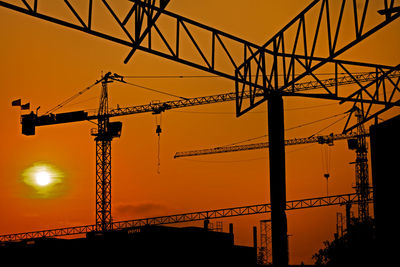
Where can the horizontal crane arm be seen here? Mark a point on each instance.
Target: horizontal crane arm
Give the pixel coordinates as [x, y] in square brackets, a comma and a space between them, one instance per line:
[31, 120]
[327, 139]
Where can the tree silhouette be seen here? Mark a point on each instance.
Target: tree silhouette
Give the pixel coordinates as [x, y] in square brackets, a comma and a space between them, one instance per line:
[355, 248]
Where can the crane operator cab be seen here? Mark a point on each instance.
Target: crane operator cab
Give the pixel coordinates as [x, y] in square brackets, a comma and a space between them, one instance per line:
[112, 130]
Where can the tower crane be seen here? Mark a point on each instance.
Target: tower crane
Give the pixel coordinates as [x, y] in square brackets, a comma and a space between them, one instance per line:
[293, 54]
[105, 132]
[356, 141]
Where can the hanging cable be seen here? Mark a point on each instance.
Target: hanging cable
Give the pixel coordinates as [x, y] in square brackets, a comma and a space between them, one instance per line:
[83, 101]
[312, 122]
[71, 98]
[158, 132]
[329, 125]
[326, 158]
[250, 139]
[152, 89]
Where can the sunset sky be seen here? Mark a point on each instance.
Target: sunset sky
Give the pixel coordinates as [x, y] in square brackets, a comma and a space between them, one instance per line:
[44, 64]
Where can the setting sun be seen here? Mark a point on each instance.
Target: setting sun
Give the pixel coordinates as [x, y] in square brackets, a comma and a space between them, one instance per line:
[42, 178]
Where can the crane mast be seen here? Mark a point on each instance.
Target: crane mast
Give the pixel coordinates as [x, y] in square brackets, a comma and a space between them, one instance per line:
[359, 144]
[103, 163]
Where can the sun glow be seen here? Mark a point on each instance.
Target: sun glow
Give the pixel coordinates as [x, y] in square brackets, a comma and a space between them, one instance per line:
[42, 178]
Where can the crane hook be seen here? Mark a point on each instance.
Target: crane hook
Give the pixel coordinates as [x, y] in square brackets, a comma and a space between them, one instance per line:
[158, 132]
[158, 129]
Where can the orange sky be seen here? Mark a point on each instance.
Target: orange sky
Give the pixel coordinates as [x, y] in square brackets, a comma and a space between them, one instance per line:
[44, 64]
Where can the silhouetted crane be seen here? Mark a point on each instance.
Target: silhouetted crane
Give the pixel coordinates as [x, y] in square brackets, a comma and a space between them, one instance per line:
[356, 141]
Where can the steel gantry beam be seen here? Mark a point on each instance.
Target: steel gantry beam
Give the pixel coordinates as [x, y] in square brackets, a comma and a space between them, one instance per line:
[320, 31]
[136, 23]
[189, 217]
[289, 57]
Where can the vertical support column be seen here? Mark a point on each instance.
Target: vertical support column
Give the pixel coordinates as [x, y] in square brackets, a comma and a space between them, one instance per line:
[103, 185]
[277, 180]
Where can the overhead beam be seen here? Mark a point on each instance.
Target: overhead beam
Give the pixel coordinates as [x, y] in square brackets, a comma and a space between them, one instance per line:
[136, 14]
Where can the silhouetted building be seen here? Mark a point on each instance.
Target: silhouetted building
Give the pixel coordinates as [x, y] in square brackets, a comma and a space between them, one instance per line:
[144, 246]
[385, 159]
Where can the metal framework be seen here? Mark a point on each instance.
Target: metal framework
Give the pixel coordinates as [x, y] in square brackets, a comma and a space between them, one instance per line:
[189, 217]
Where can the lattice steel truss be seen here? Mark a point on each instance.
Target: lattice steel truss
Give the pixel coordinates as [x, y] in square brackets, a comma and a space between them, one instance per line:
[189, 217]
[311, 42]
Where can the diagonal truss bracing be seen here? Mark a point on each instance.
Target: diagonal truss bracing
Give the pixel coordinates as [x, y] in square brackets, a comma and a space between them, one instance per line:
[323, 31]
[308, 44]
